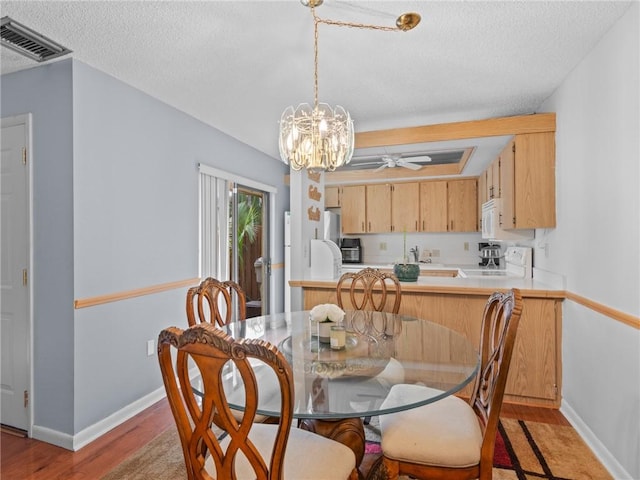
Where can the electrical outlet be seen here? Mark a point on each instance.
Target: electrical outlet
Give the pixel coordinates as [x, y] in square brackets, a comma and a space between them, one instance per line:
[466, 246]
[150, 347]
[383, 245]
[435, 253]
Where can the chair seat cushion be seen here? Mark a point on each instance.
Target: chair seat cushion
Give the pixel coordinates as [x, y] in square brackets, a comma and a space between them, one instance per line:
[445, 433]
[308, 456]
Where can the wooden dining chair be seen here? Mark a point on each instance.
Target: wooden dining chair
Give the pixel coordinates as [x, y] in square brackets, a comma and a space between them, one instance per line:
[216, 301]
[369, 289]
[451, 438]
[249, 450]
[213, 301]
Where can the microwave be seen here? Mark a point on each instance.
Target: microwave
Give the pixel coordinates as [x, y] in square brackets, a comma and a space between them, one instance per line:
[491, 224]
[351, 249]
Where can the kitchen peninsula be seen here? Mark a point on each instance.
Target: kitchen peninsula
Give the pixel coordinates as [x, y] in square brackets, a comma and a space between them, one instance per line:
[458, 303]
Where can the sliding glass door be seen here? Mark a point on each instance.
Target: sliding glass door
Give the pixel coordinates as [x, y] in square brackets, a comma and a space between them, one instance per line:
[235, 215]
[249, 245]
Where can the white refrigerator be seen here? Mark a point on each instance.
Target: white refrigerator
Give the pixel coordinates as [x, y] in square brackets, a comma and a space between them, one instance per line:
[332, 227]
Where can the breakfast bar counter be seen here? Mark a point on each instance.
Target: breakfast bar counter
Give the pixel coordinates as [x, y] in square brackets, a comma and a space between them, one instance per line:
[535, 376]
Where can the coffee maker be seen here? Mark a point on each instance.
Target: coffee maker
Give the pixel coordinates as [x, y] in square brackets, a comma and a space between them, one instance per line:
[486, 261]
[351, 249]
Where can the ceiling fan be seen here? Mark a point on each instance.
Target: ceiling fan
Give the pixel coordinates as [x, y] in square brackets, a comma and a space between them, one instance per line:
[392, 161]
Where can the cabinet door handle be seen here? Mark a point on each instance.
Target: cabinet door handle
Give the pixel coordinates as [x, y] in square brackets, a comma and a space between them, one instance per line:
[416, 225]
[363, 226]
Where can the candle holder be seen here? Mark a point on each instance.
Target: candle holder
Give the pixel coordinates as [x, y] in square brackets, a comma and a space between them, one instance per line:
[338, 337]
[324, 331]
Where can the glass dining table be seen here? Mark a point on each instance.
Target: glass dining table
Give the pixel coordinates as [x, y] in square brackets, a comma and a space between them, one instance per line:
[335, 389]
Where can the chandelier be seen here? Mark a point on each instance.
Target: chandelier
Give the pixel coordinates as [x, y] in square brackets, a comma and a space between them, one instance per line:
[320, 137]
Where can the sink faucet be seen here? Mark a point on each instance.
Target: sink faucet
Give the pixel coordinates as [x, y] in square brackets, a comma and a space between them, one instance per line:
[414, 254]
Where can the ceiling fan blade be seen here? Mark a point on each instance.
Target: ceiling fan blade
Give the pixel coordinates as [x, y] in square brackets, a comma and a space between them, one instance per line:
[381, 167]
[412, 166]
[362, 164]
[418, 158]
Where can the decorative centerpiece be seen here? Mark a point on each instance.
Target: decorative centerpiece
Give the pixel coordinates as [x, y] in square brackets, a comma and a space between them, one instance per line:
[406, 271]
[325, 316]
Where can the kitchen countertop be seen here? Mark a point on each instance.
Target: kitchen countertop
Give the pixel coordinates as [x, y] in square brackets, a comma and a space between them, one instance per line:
[454, 285]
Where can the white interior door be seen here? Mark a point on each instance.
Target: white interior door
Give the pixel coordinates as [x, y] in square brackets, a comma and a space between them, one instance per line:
[14, 303]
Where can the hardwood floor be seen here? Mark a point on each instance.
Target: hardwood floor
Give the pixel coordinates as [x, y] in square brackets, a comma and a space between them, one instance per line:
[25, 458]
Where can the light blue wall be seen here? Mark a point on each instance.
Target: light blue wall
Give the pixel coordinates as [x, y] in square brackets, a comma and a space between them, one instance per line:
[115, 208]
[46, 92]
[598, 205]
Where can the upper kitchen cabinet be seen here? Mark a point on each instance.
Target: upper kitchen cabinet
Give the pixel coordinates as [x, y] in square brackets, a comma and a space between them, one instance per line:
[366, 208]
[462, 210]
[378, 207]
[353, 202]
[332, 197]
[527, 182]
[405, 207]
[492, 180]
[433, 206]
[482, 192]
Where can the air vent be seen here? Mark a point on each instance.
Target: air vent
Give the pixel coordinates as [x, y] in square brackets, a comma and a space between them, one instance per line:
[29, 43]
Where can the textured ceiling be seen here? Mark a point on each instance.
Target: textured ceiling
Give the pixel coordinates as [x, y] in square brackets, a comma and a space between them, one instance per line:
[236, 65]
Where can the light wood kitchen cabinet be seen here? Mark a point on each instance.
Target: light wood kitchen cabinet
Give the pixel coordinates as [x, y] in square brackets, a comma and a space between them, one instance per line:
[527, 182]
[405, 207]
[331, 197]
[433, 206]
[535, 376]
[462, 210]
[492, 180]
[378, 208]
[353, 203]
[482, 195]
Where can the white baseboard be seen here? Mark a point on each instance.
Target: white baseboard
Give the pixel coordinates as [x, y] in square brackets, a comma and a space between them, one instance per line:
[53, 437]
[616, 470]
[89, 434]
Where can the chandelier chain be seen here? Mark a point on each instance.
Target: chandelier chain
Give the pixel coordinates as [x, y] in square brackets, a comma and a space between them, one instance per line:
[316, 21]
[322, 137]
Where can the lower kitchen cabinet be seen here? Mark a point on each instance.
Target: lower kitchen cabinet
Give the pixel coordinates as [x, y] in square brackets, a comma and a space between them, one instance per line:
[535, 372]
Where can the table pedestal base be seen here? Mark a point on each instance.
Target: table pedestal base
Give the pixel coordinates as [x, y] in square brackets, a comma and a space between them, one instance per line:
[348, 431]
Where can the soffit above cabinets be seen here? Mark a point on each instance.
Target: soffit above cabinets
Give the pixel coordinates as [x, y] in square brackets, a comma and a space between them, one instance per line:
[481, 140]
[465, 158]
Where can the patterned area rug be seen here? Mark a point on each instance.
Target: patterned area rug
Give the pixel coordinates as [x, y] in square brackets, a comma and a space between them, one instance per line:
[524, 451]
